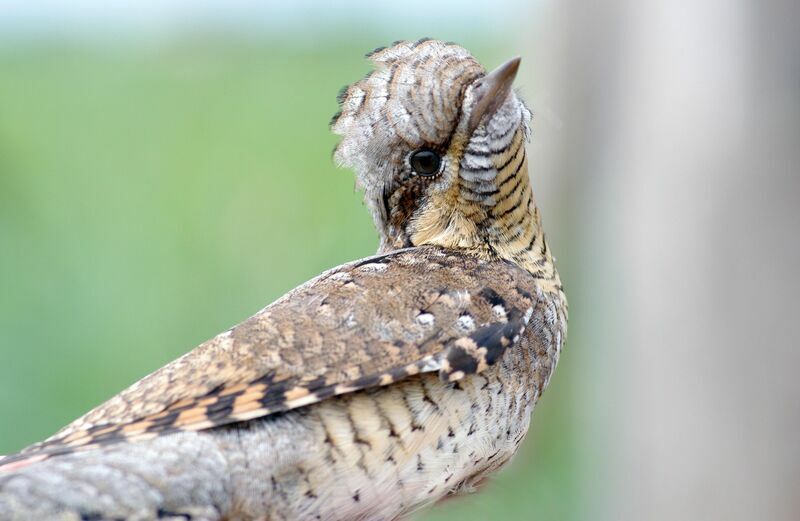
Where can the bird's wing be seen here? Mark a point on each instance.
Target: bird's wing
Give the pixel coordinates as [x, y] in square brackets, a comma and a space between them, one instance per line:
[364, 324]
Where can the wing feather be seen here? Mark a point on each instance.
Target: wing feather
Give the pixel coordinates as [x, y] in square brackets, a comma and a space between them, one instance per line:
[365, 324]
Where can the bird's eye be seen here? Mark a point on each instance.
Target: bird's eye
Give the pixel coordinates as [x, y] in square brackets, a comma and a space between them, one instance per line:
[425, 162]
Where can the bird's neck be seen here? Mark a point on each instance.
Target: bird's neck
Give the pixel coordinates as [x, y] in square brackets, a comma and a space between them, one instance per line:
[490, 212]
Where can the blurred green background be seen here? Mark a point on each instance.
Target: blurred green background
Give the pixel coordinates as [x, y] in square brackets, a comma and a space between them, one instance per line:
[152, 196]
[165, 172]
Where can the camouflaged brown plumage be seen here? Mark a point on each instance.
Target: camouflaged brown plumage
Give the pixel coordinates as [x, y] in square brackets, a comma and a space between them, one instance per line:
[376, 388]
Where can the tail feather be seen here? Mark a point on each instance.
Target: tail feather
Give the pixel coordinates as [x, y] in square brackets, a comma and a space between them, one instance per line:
[14, 462]
[174, 477]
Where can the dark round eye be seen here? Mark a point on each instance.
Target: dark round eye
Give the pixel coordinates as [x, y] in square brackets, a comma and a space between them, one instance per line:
[425, 162]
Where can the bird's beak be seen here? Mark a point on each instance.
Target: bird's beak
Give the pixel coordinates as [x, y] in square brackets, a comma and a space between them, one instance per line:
[491, 91]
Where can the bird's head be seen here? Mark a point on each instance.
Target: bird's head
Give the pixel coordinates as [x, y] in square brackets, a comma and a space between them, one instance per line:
[438, 147]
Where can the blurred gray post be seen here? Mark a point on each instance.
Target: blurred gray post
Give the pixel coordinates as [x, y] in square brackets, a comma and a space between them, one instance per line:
[668, 143]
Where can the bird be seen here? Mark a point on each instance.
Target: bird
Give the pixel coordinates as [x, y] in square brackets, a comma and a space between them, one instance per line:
[382, 385]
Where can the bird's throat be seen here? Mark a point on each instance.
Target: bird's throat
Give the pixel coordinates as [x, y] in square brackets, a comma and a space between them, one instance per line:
[496, 218]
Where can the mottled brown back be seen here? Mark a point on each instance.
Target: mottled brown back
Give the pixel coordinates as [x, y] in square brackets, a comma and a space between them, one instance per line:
[368, 323]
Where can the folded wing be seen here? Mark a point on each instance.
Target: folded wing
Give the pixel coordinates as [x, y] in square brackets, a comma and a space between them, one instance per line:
[365, 324]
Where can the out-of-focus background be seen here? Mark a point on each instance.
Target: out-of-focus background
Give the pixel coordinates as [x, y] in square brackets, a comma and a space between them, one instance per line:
[165, 172]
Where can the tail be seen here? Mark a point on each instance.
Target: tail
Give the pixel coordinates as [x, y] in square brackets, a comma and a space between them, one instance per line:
[17, 461]
[173, 477]
[36, 453]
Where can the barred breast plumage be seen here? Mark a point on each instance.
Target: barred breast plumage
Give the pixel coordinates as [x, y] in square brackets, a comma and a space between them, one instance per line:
[376, 388]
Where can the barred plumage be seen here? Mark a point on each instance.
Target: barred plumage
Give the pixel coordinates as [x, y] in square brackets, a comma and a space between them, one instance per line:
[381, 385]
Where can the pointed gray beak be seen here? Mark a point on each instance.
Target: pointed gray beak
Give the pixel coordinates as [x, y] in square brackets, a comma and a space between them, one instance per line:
[491, 91]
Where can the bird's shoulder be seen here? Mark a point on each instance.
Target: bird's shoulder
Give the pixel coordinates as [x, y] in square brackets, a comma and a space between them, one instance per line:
[364, 324]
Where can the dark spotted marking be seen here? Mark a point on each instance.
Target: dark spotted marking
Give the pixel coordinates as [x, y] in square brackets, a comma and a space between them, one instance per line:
[524, 293]
[367, 381]
[325, 392]
[460, 360]
[478, 153]
[496, 337]
[377, 259]
[340, 97]
[374, 51]
[512, 157]
[160, 423]
[331, 123]
[398, 373]
[532, 241]
[415, 426]
[223, 406]
[427, 398]
[91, 517]
[491, 296]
